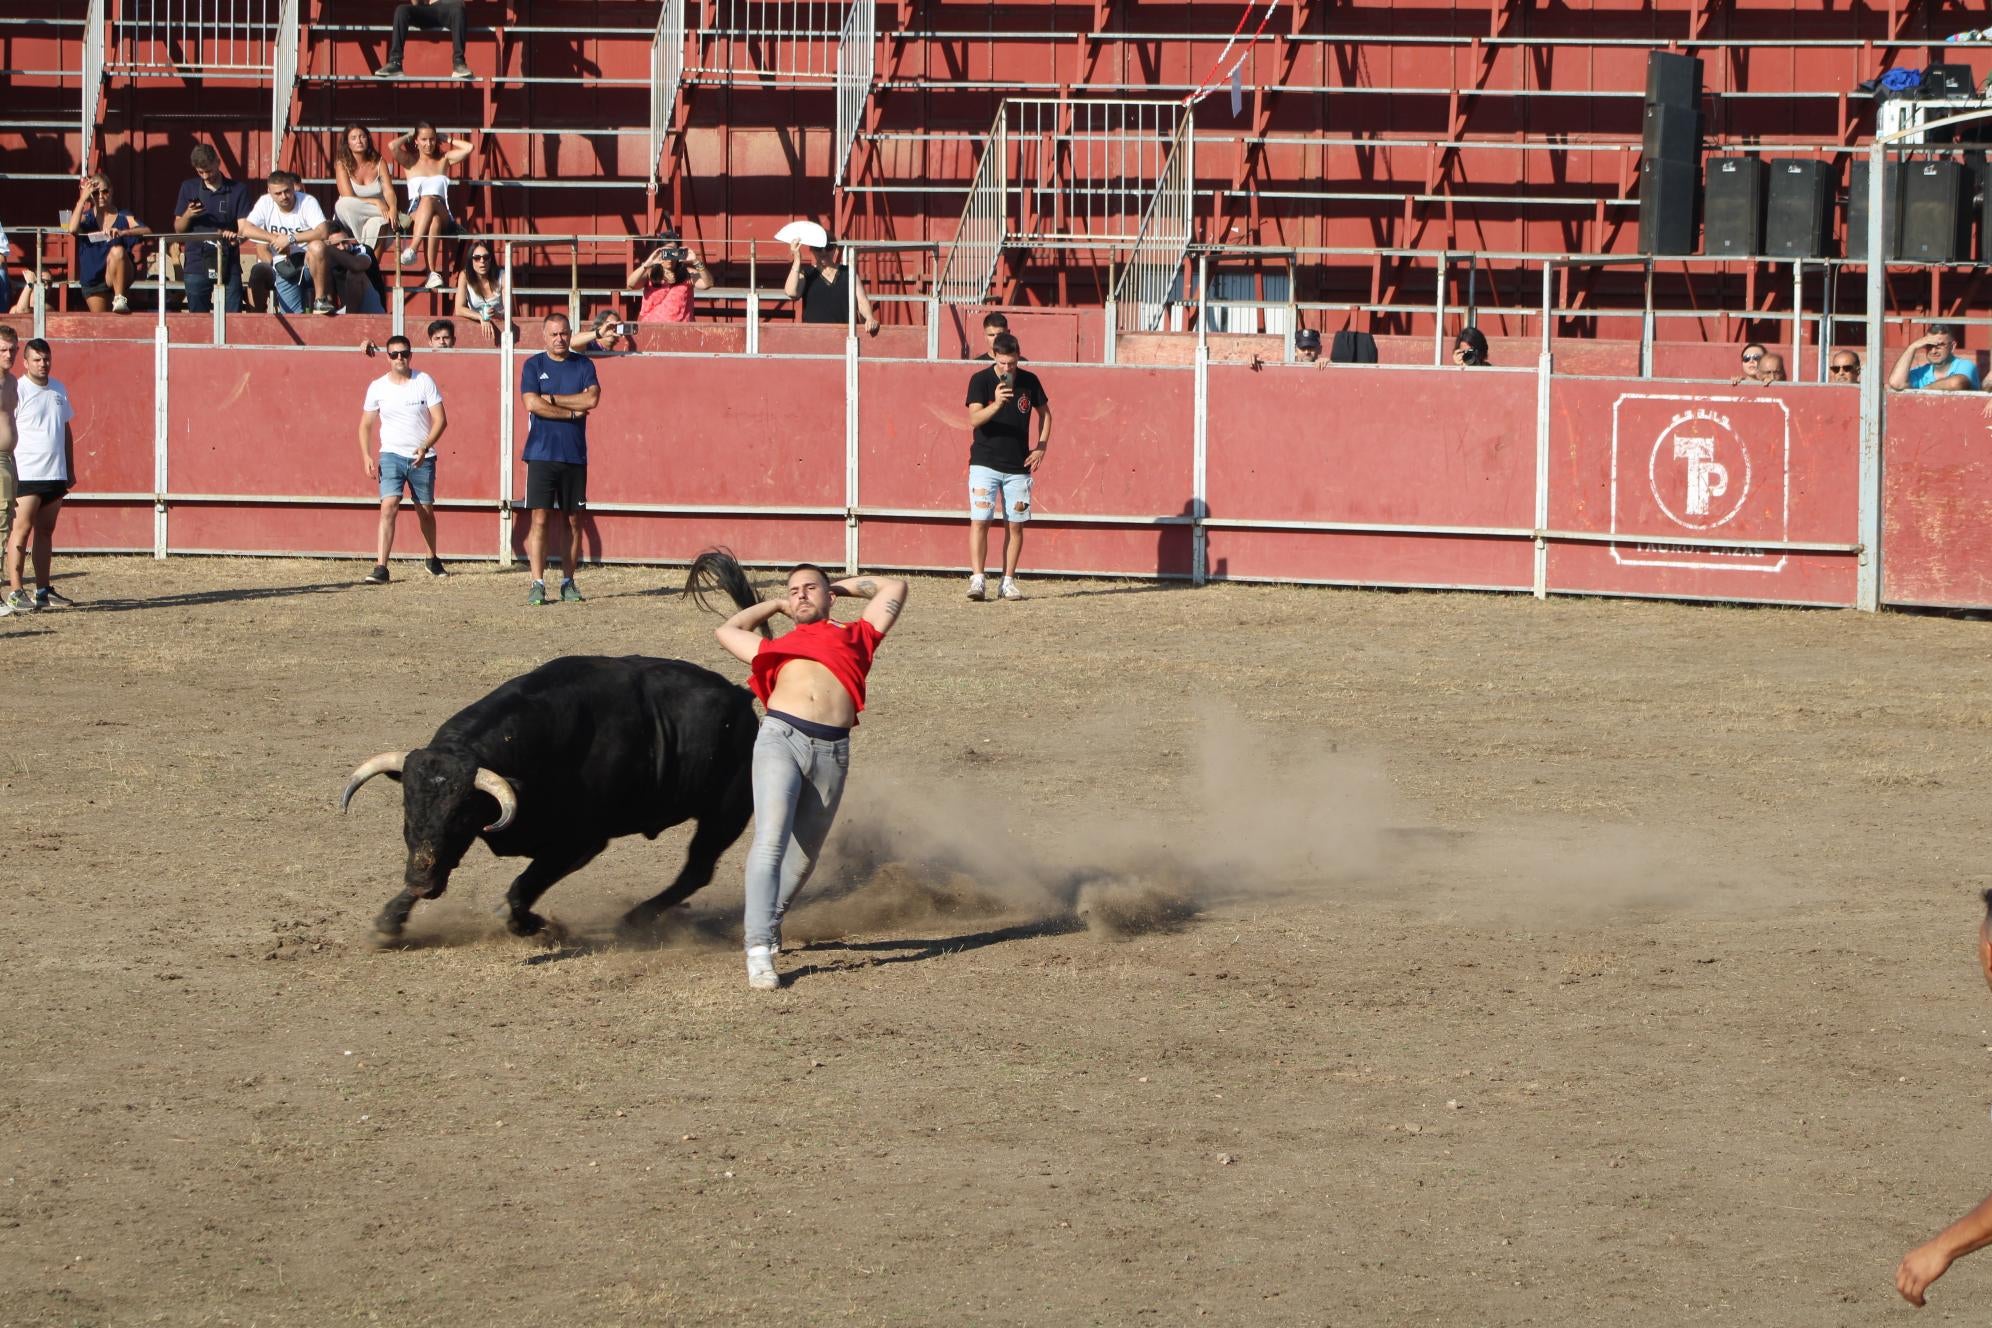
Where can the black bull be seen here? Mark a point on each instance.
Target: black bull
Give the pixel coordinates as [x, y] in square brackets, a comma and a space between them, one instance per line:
[554, 764]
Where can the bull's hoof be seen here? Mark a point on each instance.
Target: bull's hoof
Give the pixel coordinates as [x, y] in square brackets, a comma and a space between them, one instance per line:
[525, 924]
[640, 929]
[383, 939]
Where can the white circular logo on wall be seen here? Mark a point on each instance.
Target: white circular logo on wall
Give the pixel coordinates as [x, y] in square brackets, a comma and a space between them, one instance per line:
[1700, 469]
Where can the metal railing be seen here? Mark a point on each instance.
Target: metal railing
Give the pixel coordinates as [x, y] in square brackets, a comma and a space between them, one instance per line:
[978, 243]
[225, 37]
[667, 70]
[93, 79]
[857, 55]
[283, 78]
[1141, 295]
[771, 43]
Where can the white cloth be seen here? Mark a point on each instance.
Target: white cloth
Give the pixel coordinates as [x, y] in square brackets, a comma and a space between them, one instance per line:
[403, 410]
[303, 217]
[39, 419]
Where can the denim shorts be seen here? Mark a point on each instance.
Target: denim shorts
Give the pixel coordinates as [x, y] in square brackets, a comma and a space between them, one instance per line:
[396, 470]
[997, 495]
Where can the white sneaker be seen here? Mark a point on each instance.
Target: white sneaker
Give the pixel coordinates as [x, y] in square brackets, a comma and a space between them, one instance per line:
[435, 281]
[761, 975]
[978, 588]
[408, 255]
[120, 305]
[1009, 590]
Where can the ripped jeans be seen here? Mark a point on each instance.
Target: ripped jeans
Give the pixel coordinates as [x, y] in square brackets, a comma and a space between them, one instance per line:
[798, 782]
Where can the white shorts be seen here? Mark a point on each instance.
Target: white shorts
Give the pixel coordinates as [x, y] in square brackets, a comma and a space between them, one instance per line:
[998, 495]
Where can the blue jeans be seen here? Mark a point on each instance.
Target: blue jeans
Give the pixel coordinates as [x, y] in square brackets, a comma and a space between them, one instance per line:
[798, 782]
[396, 471]
[200, 282]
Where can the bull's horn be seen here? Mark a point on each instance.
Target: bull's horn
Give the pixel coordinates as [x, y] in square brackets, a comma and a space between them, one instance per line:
[508, 801]
[387, 763]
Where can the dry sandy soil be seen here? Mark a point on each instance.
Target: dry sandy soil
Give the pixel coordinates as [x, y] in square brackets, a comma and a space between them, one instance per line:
[1578, 962]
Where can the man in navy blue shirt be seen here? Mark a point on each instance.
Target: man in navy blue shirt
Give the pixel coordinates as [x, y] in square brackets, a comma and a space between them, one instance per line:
[211, 202]
[560, 389]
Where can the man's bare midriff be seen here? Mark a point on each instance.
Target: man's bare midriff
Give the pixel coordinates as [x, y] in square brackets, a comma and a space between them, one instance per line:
[809, 691]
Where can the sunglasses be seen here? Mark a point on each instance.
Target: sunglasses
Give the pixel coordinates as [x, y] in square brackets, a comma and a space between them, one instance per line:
[1751, 359]
[1841, 369]
[480, 258]
[400, 355]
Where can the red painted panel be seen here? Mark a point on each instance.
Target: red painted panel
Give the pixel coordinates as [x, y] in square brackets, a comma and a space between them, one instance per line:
[104, 527]
[1652, 459]
[650, 537]
[1936, 509]
[109, 386]
[1121, 440]
[276, 422]
[350, 531]
[690, 338]
[726, 432]
[1434, 447]
[1048, 548]
[1043, 334]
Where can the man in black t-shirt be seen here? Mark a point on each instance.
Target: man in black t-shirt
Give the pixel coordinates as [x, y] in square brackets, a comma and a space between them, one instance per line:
[1003, 460]
[821, 288]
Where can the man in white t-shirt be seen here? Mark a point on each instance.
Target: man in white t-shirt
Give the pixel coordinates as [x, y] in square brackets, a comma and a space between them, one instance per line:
[409, 410]
[45, 457]
[288, 229]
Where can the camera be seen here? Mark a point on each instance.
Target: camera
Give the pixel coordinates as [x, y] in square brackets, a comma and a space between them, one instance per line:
[1468, 355]
[671, 248]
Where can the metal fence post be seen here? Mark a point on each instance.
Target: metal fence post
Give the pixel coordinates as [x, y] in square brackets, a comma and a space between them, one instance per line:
[506, 424]
[1439, 314]
[851, 442]
[1867, 594]
[1544, 365]
[160, 437]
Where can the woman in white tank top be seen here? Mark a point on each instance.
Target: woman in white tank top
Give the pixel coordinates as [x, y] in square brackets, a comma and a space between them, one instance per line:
[365, 202]
[425, 162]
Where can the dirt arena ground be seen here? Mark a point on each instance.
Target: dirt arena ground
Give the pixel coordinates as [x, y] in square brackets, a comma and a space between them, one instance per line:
[1565, 963]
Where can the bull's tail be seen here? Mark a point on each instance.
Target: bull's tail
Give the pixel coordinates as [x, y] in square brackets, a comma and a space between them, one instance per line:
[717, 571]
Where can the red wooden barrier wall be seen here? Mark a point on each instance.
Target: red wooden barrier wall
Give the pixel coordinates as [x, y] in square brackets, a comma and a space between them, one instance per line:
[1936, 505]
[1653, 460]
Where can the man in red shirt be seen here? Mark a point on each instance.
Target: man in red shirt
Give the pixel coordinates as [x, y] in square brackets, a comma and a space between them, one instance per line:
[812, 681]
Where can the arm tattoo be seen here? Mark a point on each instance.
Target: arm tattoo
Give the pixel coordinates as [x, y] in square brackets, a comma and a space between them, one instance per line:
[891, 607]
[865, 586]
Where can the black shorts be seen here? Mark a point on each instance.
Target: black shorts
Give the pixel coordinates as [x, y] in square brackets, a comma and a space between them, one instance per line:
[561, 485]
[97, 287]
[46, 490]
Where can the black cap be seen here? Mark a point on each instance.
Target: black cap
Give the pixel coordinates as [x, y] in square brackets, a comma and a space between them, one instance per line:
[1307, 339]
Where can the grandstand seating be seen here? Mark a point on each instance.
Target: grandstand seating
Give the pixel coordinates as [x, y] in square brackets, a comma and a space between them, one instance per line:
[1495, 127]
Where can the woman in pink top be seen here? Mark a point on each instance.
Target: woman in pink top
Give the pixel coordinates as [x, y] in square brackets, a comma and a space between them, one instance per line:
[669, 279]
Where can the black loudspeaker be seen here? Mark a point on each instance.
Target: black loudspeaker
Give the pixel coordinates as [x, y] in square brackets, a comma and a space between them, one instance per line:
[1667, 192]
[1945, 82]
[1673, 80]
[1733, 207]
[1857, 211]
[1796, 217]
[1936, 221]
[1983, 169]
[1672, 132]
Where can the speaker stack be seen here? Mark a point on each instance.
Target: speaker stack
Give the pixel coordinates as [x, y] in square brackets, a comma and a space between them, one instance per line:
[1670, 165]
[1936, 211]
[1733, 207]
[1800, 208]
[1857, 211]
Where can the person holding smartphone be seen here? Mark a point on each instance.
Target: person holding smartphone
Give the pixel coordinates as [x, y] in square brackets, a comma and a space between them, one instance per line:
[1003, 460]
[211, 202]
[670, 279]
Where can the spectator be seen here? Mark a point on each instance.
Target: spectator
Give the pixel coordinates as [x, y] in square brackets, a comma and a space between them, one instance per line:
[1753, 359]
[408, 408]
[670, 280]
[431, 16]
[290, 230]
[1470, 348]
[559, 389]
[1001, 462]
[6, 289]
[425, 165]
[10, 396]
[365, 206]
[1844, 367]
[353, 273]
[820, 288]
[107, 245]
[1307, 346]
[993, 325]
[606, 335]
[480, 292]
[1931, 363]
[210, 201]
[46, 458]
[441, 334]
[1770, 369]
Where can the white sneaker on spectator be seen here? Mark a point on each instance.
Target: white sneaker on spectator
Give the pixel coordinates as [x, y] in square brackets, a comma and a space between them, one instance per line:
[120, 305]
[1009, 590]
[761, 975]
[435, 281]
[408, 255]
[978, 588]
